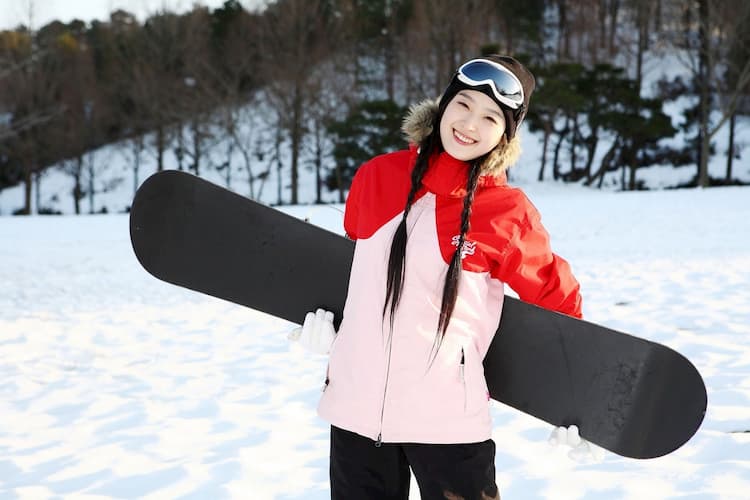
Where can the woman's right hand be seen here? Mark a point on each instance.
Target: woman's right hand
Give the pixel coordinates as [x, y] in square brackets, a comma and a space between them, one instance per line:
[317, 332]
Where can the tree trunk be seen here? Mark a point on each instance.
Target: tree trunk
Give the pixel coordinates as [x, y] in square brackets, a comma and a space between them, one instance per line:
[631, 181]
[197, 152]
[28, 170]
[563, 43]
[180, 152]
[77, 188]
[296, 139]
[730, 148]
[573, 146]
[249, 167]
[591, 146]
[91, 185]
[547, 133]
[705, 92]
[556, 157]
[38, 190]
[230, 152]
[138, 146]
[614, 12]
[657, 16]
[601, 42]
[340, 183]
[642, 16]
[389, 56]
[136, 169]
[279, 167]
[318, 167]
[160, 145]
[604, 167]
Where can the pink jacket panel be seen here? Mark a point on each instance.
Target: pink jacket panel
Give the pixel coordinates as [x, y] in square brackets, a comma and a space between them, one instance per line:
[447, 403]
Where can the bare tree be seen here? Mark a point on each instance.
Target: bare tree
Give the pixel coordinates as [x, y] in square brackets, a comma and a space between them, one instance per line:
[450, 35]
[134, 66]
[10, 66]
[31, 88]
[87, 115]
[734, 79]
[160, 83]
[708, 31]
[296, 36]
[250, 138]
[330, 95]
[199, 98]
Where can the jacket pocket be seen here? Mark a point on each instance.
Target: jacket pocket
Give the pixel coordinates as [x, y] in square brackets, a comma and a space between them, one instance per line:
[329, 365]
[472, 376]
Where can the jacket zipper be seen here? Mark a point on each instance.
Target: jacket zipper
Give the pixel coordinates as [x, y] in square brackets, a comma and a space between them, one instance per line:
[461, 368]
[379, 442]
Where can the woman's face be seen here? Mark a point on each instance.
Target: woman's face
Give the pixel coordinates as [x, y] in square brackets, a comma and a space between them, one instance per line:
[472, 125]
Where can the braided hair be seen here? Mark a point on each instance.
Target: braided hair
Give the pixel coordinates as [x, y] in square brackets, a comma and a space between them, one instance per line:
[430, 145]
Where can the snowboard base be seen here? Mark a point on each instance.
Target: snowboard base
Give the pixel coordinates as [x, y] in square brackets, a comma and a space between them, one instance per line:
[631, 396]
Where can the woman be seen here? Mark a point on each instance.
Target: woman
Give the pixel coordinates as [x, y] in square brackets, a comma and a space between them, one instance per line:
[438, 233]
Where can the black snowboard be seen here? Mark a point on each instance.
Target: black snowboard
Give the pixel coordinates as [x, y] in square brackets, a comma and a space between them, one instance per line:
[631, 396]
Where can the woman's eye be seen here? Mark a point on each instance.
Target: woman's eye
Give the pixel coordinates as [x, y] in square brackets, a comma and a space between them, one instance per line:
[461, 103]
[491, 119]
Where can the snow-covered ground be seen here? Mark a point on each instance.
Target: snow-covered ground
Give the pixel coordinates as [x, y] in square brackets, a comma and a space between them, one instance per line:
[116, 385]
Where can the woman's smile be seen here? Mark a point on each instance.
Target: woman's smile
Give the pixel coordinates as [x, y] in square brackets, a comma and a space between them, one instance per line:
[463, 139]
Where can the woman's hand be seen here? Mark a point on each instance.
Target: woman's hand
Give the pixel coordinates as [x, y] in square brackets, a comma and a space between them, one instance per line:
[581, 450]
[317, 332]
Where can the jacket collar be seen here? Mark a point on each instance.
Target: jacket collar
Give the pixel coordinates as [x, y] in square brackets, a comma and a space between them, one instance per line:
[446, 176]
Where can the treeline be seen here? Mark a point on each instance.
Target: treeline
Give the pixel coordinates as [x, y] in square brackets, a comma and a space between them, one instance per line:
[328, 81]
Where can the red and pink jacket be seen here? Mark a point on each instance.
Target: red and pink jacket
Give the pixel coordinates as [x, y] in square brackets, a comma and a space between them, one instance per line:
[379, 383]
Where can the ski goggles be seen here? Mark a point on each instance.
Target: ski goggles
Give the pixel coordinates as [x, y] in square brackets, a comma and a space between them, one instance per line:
[505, 85]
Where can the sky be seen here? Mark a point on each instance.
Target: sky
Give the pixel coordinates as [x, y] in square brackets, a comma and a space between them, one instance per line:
[15, 12]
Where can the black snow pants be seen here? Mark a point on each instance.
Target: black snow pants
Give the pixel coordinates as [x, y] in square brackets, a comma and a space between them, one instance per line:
[359, 470]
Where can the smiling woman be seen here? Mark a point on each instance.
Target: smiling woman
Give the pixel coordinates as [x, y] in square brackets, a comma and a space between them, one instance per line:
[439, 233]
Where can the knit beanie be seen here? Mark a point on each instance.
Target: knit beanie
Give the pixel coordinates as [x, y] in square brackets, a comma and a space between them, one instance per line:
[513, 117]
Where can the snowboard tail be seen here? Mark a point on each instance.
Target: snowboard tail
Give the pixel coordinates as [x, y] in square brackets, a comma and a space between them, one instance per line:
[631, 396]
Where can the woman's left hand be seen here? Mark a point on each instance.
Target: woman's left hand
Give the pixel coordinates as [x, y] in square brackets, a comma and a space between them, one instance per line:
[581, 450]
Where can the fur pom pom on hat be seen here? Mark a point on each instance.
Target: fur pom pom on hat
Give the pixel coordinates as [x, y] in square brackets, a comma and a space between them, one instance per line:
[418, 124]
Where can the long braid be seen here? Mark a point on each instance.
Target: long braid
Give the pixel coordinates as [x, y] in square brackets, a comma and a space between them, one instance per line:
[452, 277]
[397, 257]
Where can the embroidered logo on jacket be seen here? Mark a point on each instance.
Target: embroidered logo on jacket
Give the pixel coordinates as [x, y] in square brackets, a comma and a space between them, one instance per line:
[469, 246]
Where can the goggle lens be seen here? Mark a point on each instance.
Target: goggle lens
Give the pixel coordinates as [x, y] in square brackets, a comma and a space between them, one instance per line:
[506, 87]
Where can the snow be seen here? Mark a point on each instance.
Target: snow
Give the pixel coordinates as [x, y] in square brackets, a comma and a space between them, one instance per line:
[116, 385]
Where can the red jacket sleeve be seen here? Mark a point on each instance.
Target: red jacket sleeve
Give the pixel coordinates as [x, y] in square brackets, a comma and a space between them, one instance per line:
[351, 210]
[537, 275]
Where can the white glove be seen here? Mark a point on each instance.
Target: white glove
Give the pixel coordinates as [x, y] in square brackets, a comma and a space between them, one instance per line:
[317, 332]
[581, 450]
